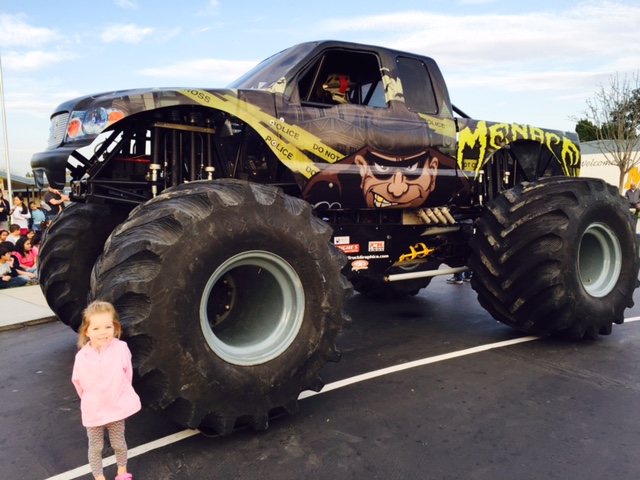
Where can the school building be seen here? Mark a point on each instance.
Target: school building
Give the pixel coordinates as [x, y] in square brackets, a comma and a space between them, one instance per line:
[26, 187]
[595, 164]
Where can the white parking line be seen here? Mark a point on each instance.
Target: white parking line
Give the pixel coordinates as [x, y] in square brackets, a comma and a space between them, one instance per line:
[176, 437]
[134, 452]
[414, 364]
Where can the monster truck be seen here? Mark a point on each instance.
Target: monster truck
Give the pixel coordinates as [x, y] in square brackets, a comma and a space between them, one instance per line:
[227, 226]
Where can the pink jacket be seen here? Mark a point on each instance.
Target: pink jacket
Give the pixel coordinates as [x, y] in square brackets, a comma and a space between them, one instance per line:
[103, 381]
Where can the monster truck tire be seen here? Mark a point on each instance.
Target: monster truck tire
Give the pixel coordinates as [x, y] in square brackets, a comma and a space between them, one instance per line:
[69, 249]
[558, 255]
[230, 296]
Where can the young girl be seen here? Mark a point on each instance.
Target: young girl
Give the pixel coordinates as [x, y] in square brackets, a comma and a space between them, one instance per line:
[26, 255]
[20, 214]
[102, 375]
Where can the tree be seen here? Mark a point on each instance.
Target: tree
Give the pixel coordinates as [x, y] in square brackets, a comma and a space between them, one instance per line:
[614, 113]
[586, 130]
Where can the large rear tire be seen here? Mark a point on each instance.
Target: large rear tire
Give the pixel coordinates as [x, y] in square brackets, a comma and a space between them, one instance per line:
[230, 297]
[557, 255]
[69, 249]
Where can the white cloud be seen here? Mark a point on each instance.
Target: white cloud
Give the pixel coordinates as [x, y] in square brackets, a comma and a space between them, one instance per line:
[207, 69]
[125, 33]
[569, 38]
[168, 35]
[16, 32]
[32, 60]
[126, 4]
[32, 106]
[527, 81]
[474, 2]
[211, 8]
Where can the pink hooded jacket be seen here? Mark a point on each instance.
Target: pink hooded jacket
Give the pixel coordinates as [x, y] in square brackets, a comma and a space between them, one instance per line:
[103, 381]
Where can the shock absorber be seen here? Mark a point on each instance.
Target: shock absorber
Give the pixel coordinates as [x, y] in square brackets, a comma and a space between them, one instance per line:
[154, 168]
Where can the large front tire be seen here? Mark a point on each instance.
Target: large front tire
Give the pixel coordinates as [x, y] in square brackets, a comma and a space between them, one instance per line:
[70, 247]
[556, 255]
[230, 296]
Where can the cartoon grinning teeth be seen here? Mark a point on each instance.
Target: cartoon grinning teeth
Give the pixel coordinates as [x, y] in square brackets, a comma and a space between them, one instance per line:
[382, 202]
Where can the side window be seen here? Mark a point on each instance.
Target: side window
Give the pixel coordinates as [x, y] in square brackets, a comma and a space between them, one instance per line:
[416, 85]
[340, 77]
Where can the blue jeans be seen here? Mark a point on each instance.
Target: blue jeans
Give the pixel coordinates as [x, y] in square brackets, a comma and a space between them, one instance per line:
[463, 275]
[14, 282]
[33, 270]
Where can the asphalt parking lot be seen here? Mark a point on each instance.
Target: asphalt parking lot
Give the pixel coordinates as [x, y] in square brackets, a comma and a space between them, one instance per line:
[479, 401]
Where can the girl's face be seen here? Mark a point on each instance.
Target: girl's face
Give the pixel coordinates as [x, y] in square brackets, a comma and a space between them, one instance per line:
[3, 236]
[30, 234]
[100, 330]
[16, 201]
[27, 246]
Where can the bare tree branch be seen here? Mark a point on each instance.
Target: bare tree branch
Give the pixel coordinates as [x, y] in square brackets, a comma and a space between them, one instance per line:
[615, 111]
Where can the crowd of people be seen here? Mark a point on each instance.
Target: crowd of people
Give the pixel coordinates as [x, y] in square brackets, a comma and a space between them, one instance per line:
[21, 230]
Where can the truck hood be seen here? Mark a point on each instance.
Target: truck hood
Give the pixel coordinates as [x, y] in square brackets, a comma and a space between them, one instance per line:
[80, 120]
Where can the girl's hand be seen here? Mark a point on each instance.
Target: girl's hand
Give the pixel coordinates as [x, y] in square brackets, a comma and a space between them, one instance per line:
[6, 278]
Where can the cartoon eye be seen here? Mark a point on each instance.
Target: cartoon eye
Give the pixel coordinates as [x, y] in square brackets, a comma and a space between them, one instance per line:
[383, 169]
[412, 172]
[411, 169]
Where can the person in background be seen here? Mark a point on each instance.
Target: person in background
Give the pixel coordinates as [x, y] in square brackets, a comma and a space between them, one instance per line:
[44, 225]
[14, 234]
[30, 277]
[26, 256]
[20, 214]
[633, 196]
[55, 199]
[37, 216]
[9, 276]
[35, 242]
[460, 277]
[5, 208]
[3, 235]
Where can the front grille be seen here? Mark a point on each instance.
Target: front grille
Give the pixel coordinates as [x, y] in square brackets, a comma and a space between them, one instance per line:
[57, 129]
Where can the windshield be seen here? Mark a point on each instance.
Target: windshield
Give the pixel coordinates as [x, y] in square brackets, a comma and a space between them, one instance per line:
[271, 71]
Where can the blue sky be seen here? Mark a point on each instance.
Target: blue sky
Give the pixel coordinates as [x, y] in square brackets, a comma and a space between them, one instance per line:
[525, 62]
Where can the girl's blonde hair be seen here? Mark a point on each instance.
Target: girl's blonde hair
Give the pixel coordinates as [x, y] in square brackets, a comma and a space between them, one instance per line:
[92, 309]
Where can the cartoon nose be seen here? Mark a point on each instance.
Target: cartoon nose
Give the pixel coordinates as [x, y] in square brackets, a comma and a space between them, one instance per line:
[397, 187]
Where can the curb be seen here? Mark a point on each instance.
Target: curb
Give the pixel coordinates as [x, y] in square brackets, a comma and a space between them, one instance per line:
[28, 323]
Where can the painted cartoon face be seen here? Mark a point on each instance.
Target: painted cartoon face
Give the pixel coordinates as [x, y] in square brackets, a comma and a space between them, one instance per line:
[397, 182]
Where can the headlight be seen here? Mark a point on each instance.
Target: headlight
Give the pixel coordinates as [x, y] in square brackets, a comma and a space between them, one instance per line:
[92, 122]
